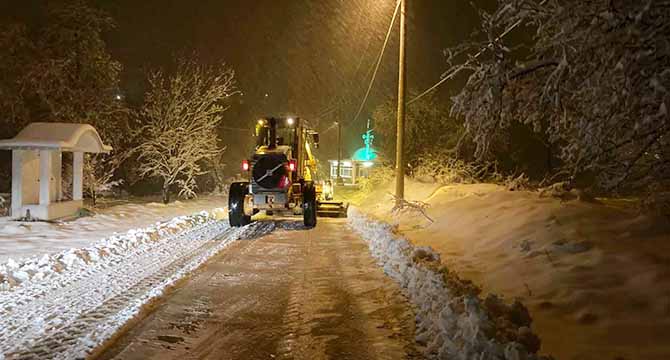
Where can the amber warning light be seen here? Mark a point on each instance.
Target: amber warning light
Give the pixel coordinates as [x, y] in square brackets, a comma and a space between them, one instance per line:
[245, 165]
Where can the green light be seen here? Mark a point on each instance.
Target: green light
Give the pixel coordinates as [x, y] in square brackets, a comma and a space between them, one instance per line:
[365, 154]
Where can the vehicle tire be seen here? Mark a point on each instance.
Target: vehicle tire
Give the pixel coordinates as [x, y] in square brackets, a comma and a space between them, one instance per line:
[236, 215]
[309, 205]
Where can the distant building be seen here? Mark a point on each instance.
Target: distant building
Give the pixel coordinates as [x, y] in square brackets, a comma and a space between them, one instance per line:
[360, 163]
[350, 170]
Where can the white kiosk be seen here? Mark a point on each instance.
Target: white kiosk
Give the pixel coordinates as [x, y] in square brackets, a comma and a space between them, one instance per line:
[37, 156]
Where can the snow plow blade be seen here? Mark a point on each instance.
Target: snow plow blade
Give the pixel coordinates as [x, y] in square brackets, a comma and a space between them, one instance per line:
[332, 209]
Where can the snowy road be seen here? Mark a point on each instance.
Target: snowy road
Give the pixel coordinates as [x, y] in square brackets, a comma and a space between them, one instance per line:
[299, 294]
[73, 312]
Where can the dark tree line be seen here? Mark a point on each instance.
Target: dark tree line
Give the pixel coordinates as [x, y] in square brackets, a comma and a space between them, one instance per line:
[59, 69]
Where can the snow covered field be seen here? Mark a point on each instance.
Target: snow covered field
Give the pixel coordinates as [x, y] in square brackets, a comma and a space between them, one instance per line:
[594, 276]
[19, 240]
[65, 305]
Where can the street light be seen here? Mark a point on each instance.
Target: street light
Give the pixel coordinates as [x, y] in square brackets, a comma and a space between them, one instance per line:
[400, 127]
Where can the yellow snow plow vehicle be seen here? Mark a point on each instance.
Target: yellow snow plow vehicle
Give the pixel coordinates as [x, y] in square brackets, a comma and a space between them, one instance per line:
[282, 173]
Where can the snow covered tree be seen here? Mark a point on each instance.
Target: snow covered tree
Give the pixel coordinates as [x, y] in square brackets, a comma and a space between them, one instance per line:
[428, 128]
[594, 83]
[99, 171]
[180, 117]
[60, 70]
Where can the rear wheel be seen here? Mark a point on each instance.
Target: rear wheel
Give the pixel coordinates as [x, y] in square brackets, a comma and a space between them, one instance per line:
[236, 215]
[309, 205]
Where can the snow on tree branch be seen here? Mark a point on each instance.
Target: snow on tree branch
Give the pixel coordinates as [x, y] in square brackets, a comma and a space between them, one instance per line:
[594, 83]
[180, 118]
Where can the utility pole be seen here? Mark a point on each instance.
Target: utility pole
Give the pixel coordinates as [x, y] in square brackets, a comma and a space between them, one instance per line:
[400, 131]
[339, 180]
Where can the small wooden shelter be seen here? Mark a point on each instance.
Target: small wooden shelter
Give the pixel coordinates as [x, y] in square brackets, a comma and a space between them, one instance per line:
[37, 162]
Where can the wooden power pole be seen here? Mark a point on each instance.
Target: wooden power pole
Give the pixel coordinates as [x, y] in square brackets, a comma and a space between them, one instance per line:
[339, 180]
[400, 131]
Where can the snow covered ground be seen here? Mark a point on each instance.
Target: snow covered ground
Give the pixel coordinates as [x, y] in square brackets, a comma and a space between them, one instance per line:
[25, 239]
[594, 276]
[66, 287]
[65, 305]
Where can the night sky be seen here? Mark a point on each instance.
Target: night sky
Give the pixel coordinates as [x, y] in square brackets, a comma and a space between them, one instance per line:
[306, 55]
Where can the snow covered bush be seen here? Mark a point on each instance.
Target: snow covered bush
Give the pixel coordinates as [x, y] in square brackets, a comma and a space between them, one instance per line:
[445, 169]
[379, 175]
[4, 206]
[594, 85]
[99, 172]
[517, 183]
[180, 118]
[428, 128]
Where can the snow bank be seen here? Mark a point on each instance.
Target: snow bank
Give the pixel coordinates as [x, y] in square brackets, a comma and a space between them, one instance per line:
[594, 276]
[64, 306]
[47, 267]
[452, 321]
[20, 240]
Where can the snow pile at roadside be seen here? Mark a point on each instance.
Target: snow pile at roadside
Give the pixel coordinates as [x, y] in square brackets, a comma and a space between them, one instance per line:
[594, 275]
[20, 240]
[47, 267]
[66, 305]
[452, 321]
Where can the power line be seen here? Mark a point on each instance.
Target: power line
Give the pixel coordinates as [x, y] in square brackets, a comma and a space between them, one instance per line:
[337, 104]
[379, 61]
[449, 75]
